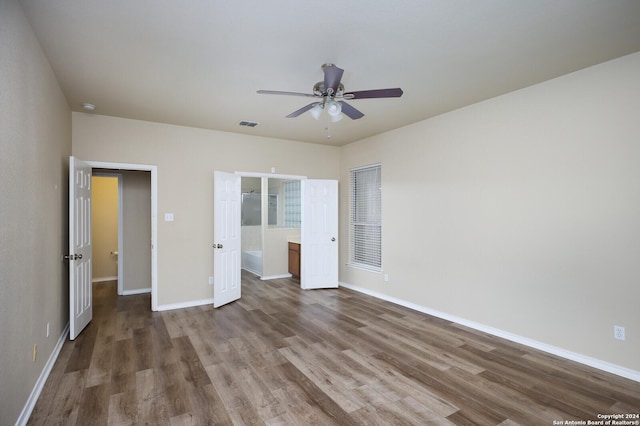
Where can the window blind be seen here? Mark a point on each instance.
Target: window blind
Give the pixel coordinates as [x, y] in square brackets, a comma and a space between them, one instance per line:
[366, 217]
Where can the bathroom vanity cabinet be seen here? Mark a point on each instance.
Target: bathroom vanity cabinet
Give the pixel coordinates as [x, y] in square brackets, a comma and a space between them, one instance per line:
[294, 259]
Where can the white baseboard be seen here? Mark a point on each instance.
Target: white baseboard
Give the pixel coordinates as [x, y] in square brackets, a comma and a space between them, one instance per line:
[44, 375]
[275, 277]
[183, 305]
[252, 271]
[573, 356]
[104, 279]
[136, 291]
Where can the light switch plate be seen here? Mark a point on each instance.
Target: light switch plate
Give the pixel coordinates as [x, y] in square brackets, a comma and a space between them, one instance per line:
[618, 332]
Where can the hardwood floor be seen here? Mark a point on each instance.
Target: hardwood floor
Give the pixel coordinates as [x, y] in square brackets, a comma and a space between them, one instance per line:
[285, 356]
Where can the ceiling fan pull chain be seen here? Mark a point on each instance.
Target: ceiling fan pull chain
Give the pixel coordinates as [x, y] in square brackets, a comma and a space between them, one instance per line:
[327, 128]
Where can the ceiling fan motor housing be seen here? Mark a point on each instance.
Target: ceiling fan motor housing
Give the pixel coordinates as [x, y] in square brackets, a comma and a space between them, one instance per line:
[318, 90]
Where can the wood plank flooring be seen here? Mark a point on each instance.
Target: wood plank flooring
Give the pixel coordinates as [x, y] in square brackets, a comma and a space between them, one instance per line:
[281, 355]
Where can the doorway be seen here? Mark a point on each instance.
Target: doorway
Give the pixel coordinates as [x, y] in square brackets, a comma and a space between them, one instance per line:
[121, 223]
[80, 250]
[140, 183]
[270, 219]
[318, 240]
[105, 223]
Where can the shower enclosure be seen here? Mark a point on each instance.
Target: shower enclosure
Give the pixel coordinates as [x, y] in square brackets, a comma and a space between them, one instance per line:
[251, 225]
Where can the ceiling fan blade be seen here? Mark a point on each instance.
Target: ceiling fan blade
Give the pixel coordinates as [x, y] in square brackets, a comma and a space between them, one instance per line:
[378, 93]
[332, 77]
[302, 110]
[350, 111]
[277, 92]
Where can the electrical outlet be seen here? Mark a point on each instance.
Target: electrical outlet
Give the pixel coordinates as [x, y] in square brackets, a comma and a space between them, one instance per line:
[35, 352]
[618, 332]
[48, 330]
[210, 280]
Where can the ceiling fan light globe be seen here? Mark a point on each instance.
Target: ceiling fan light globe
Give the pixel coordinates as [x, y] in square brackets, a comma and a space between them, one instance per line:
[334, 108]
[316, 111]
[336, 118]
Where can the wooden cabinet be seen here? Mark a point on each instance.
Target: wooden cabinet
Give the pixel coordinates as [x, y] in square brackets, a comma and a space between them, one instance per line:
[294, 260]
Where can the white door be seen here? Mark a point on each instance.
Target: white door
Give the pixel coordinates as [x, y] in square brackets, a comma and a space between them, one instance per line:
[319, 234]
[80, 307]
[226, 233]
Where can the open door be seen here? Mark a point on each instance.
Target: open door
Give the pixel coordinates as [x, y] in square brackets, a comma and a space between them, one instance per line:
[319, 234]
[226, 233]
[80, 305]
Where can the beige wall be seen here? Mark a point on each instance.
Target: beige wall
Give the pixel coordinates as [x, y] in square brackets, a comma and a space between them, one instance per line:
[186, 159]
[519, 213]
[104, 225]
[35, 142]
[136, 223]
[275, 257]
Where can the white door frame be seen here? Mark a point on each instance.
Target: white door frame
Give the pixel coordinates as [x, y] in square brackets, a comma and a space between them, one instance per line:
[154, 219]
[270, 175]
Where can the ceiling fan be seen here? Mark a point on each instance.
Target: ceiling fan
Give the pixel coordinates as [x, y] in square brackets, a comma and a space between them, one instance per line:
[330, 95]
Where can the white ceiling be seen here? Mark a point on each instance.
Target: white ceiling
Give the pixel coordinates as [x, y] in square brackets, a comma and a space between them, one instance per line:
[199, 62]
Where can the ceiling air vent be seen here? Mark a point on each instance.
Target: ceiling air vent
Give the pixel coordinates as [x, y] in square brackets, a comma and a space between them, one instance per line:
[248, 123]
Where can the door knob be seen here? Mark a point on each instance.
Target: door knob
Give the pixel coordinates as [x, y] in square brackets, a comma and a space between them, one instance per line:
[72, 256]
[217, 246]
